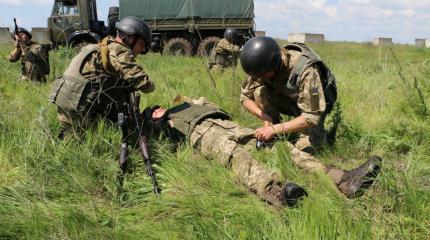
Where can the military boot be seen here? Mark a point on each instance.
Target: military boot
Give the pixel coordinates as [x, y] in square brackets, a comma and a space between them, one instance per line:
[292, 193]
[288, 195]
[354, 182]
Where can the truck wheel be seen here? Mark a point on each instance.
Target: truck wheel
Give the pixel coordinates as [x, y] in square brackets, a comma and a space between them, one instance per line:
[206, 46]
[178, 46]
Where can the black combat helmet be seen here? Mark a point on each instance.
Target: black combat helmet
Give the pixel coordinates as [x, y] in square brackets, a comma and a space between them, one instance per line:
[231, 34]
[136, 26]
[260, 55]
[113, 11]
[23, 30]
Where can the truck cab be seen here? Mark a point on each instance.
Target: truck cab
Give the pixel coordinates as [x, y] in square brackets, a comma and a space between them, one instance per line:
[75, 22]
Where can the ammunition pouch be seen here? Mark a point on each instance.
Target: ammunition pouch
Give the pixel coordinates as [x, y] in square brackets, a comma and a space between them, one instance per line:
[67, 93]
[69, 90]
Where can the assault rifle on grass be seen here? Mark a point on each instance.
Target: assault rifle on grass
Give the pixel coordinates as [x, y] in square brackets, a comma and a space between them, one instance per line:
[132, 118]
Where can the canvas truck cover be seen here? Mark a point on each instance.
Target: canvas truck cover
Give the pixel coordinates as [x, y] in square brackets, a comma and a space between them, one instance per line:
[183, 9]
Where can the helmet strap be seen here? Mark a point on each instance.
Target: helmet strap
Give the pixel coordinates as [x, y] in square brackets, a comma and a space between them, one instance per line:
[278, 68]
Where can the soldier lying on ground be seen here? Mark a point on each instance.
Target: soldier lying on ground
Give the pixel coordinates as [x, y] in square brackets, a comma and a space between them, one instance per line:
[209, 130]
[34, 60]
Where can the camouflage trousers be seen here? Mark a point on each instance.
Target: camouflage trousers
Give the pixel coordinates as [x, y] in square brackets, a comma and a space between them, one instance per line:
[89, 114]
[306, 144]
[216, 67]
[220, 63]
[231, 144]
[219, 67]
[309, 141]
[32, 72]
[71, 118]
[71, 122]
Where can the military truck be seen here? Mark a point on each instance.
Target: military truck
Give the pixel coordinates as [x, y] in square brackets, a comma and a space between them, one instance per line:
[75, 22]
[183, 27]
[191, 26]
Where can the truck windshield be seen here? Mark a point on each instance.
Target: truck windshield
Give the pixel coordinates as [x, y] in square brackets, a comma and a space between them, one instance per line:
[63, 9]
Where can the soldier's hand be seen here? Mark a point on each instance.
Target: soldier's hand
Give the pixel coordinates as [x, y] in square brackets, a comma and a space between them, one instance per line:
[265, 133]
[18, 41]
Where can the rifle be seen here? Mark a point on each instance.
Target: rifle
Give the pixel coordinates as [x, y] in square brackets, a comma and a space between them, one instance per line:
[16, 30]
[132, 117]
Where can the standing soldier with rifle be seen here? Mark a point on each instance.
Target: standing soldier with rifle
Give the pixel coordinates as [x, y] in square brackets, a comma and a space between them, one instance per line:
[99, 79]
[226, 52]
[34, 59]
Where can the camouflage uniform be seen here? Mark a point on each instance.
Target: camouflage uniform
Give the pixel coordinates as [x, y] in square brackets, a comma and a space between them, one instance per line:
[92, 87]
[209, 130]
[34, 62]
[224, 55]
[274, 97]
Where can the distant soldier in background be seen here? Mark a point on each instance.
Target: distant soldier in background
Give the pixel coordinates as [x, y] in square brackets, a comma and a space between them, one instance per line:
[294, 81]
[226, 52]
[99, 79]
[34, 59]
[113, 17]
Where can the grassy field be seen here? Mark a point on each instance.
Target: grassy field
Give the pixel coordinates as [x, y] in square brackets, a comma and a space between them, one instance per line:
[67, 190]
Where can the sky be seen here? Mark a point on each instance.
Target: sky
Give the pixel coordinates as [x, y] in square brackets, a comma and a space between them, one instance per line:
[339, 20]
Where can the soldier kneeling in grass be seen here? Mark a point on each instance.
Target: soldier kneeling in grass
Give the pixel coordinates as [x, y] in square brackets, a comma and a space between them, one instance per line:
[34, 59]
[294, 81]
[210, 130]
[100, 78]
[225, 52]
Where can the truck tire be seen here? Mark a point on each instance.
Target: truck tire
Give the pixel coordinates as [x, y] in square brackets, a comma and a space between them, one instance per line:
[178, 46]
[207, 45]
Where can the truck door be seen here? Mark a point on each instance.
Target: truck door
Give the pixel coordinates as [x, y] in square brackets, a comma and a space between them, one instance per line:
[64, 20]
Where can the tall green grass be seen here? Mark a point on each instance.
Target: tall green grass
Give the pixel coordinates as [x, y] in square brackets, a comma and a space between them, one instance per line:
[68, 190]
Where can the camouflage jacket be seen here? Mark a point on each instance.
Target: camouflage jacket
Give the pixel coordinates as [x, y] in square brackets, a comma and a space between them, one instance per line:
[91, 85]
[307, 100]
[225, 53]
[34, 61]
[122, 67]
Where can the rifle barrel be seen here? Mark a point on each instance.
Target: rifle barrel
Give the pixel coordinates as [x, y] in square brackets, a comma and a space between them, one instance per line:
[16, 29]
[143, 143]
